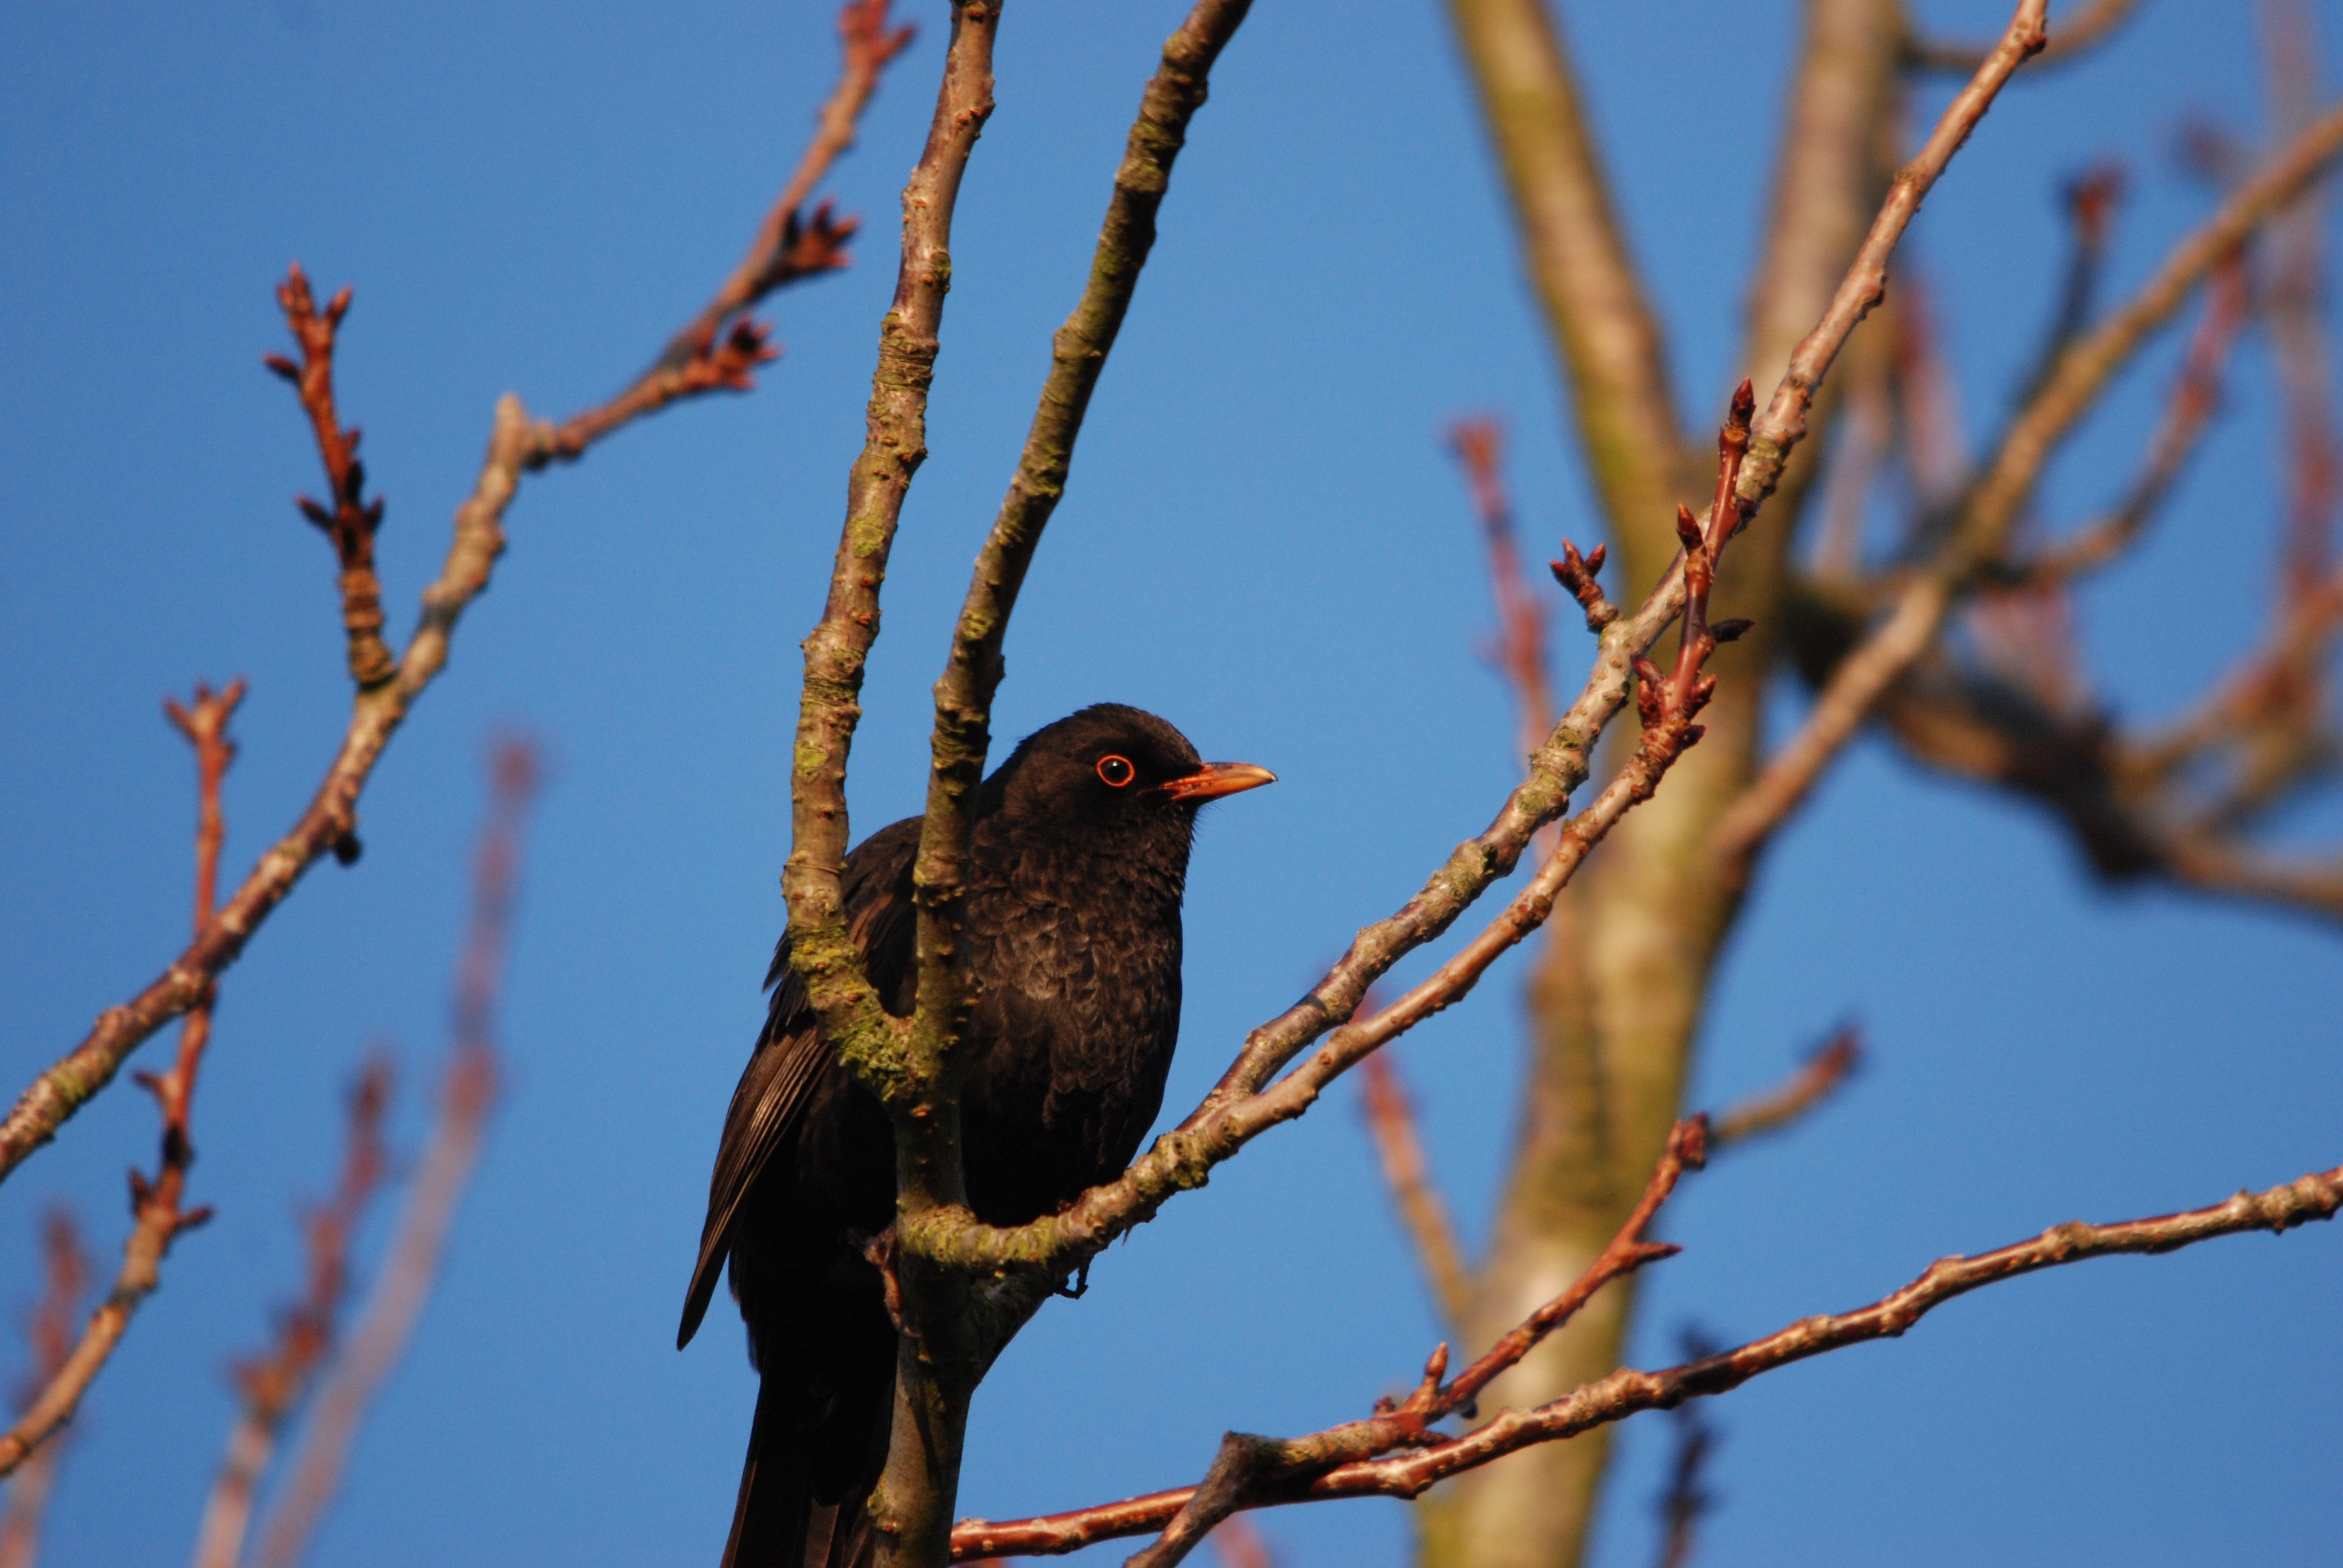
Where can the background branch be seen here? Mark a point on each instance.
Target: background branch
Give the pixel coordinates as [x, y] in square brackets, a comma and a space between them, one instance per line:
[450, 1156]
[65, 1269]
[1391, 1123]
[272, 1385]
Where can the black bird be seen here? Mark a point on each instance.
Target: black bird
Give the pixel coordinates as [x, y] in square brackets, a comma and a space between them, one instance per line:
[1073, 944]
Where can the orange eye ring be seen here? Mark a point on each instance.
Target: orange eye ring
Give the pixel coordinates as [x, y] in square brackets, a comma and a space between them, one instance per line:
[1115, 770]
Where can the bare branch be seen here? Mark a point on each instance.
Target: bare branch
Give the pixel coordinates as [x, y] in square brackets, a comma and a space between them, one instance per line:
[1626, 1392]
[1248, 1466]
[517, 444]
[272, 1385]
[2188, 413]
[66, 1269]
[1823, 1073]
[1391, 1122]
[1687, 1499]
[787, 245]
[926, 1128]
[836, 651]
[1520, 642]
[1784, 424]
[158, 1214]
[1981, 535]
[450, 1157]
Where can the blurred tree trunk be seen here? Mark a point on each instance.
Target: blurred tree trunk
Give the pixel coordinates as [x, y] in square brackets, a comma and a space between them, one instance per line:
[1616, 998]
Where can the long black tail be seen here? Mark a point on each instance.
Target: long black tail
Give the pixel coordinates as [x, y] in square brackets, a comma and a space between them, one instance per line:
[797, 1509]
[825, 1350]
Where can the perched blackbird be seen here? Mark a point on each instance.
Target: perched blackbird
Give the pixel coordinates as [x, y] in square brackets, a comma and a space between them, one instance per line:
[1073, 943]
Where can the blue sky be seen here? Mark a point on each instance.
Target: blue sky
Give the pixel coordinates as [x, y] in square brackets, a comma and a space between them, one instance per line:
[1264, 541]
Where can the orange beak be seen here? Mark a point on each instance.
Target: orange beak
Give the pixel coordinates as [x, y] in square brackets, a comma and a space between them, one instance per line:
[1215, 780]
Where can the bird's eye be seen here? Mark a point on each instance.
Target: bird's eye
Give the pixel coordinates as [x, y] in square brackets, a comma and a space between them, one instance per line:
[1116, 771]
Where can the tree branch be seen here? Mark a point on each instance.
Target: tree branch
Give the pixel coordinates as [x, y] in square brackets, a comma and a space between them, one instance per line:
[450, 1157]
[1249, 1466]
[1519, 649]
[51, 1332]
[157, 1216]
[517, 444]
[973, 673]
[1981, 535]
[1822, 1076]
[821, 951]
[1391, 1122]
[272, 1384]
[1626, 1392]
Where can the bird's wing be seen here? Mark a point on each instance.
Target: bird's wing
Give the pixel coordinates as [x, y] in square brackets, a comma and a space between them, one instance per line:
[790, 1055]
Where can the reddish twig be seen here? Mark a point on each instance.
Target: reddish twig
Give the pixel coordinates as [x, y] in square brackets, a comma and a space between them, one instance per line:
[1391, 1122]
[450, 1157]
[157, 1216]
[2188, 412]
[1248, 1468]
[789, 246]
[272, 1384]
[1823, 1072]
[1520, 644]
[517, 445]
[350, 520]
[66, 1269]
[1624, 1393]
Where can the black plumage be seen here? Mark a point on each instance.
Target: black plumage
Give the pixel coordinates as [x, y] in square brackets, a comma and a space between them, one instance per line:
[1081, 844]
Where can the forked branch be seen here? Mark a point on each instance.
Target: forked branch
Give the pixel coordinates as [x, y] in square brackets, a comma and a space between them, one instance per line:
[517, 444]
[158, 1214]
[1408, 1472]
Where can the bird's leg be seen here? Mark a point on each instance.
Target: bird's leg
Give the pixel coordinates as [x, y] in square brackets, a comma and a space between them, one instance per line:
[1079, 1287]
[879, 1251]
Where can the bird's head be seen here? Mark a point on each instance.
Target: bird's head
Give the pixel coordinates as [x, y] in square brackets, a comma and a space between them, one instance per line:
[1112, 767]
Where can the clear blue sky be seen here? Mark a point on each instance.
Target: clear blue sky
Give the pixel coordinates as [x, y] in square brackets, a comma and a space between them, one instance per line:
[1264, 541]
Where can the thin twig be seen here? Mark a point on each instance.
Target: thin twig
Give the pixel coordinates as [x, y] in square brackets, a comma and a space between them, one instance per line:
[1520, 643]
[1626, 1392]
[517, 445]
[66, 1269]
[157, 1215]
[1821, 1076]
[1391, 1122]
[2188, 414]
[450, 1156]
[272, 1385]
